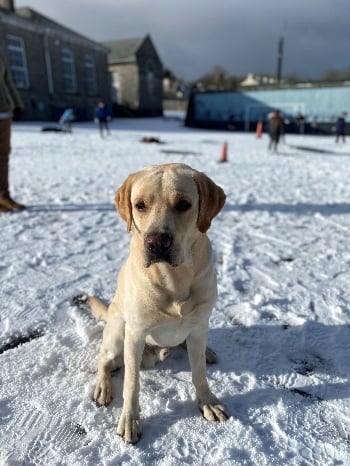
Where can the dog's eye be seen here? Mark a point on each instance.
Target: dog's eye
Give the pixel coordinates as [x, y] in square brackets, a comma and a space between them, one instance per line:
[182, 205]
[140, 206]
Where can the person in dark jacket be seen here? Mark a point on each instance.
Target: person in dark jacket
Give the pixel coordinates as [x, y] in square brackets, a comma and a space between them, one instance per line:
[340, 127]
[300, 120]
[11, 108]
[102, 116]
[276, 129]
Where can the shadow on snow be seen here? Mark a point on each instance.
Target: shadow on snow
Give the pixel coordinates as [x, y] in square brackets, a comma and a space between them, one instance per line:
[296, 209]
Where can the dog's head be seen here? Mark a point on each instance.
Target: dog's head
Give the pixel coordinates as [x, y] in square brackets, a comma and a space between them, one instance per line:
[167, 207]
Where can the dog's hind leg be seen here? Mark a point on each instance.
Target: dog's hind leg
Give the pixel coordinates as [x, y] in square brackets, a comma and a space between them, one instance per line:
[153, 354]
[111, 357]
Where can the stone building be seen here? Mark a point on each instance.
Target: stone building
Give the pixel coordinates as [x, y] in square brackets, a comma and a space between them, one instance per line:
[137, 74]
[53, 67]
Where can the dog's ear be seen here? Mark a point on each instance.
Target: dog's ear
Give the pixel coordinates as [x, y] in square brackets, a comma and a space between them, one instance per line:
[122, 201]
[211, 200]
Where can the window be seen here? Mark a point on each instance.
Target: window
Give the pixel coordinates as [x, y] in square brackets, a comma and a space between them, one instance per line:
[69, 79]
[17, 60]
[90, 75]
[116, 91]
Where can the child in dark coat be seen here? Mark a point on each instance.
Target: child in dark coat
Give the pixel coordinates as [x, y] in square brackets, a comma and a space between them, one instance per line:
[276, 129]
[102, 116]
[340, 127]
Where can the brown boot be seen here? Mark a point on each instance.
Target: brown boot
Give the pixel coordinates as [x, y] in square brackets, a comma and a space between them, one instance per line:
[4, 210]
[7, 204]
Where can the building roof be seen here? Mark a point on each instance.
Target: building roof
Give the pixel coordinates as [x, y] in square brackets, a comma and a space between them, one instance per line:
[43, 23]
[123, 51]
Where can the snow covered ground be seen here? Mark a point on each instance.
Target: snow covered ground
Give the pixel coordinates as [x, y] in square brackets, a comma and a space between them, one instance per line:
[281, 327]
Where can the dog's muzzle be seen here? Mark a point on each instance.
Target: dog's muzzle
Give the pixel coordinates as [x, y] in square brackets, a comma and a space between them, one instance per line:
[158, 248]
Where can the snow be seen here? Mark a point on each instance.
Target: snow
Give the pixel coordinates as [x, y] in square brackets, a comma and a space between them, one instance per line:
[281, 326]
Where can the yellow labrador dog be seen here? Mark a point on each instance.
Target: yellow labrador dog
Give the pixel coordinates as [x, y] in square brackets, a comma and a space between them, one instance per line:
[166, 288]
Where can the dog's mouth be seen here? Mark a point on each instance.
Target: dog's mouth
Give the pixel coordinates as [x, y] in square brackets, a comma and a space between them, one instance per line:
[151, 259]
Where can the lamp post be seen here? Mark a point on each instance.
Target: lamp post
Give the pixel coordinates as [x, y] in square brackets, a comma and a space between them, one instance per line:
[280, 59]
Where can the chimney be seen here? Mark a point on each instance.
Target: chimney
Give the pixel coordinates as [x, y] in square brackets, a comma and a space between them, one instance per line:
[8, 5]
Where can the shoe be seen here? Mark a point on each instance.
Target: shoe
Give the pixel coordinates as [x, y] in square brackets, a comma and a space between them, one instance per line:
[7, 204]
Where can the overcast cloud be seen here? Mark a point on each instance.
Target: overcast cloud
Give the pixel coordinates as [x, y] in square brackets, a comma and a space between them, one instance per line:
[193, 36]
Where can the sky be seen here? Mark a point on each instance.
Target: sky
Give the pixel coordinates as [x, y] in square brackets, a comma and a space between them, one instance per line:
[193, 36]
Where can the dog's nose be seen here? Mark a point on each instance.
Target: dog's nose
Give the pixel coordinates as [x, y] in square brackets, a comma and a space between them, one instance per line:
[158, 243]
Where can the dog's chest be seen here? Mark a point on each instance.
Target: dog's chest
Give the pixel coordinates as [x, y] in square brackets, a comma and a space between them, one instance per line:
[174, 323]
[178, 309]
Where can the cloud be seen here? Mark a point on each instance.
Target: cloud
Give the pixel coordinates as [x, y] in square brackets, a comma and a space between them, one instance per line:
[193, 36]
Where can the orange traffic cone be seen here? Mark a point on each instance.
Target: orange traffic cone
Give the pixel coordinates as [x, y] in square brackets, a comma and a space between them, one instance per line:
[223, 157]
[259, 129]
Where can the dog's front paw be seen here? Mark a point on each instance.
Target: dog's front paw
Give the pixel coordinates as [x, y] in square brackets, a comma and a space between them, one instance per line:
[129, 427]
[214, 412]
[103, 392]
[212, 409]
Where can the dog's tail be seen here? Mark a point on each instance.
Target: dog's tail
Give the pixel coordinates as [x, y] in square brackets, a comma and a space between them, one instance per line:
[97, 307]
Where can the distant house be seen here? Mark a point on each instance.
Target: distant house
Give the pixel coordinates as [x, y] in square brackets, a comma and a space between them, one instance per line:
[53, 67]
[174, 88]
[137, 74]
[252, 80]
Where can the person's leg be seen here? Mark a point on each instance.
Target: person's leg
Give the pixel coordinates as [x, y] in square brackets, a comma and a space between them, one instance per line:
[6, 203]
[107, 128]
[277, 140]
[270, 142]
[100, 125]
[5, 137]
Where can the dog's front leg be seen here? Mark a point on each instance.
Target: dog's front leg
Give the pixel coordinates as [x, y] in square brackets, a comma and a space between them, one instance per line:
[208, 403]
[129, 426]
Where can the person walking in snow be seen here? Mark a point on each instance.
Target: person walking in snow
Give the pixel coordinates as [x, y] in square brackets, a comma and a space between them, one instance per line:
[300, 120]
[11, 108]
[102, 116]
[67, 119]
[340, 127]
[276, 129]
